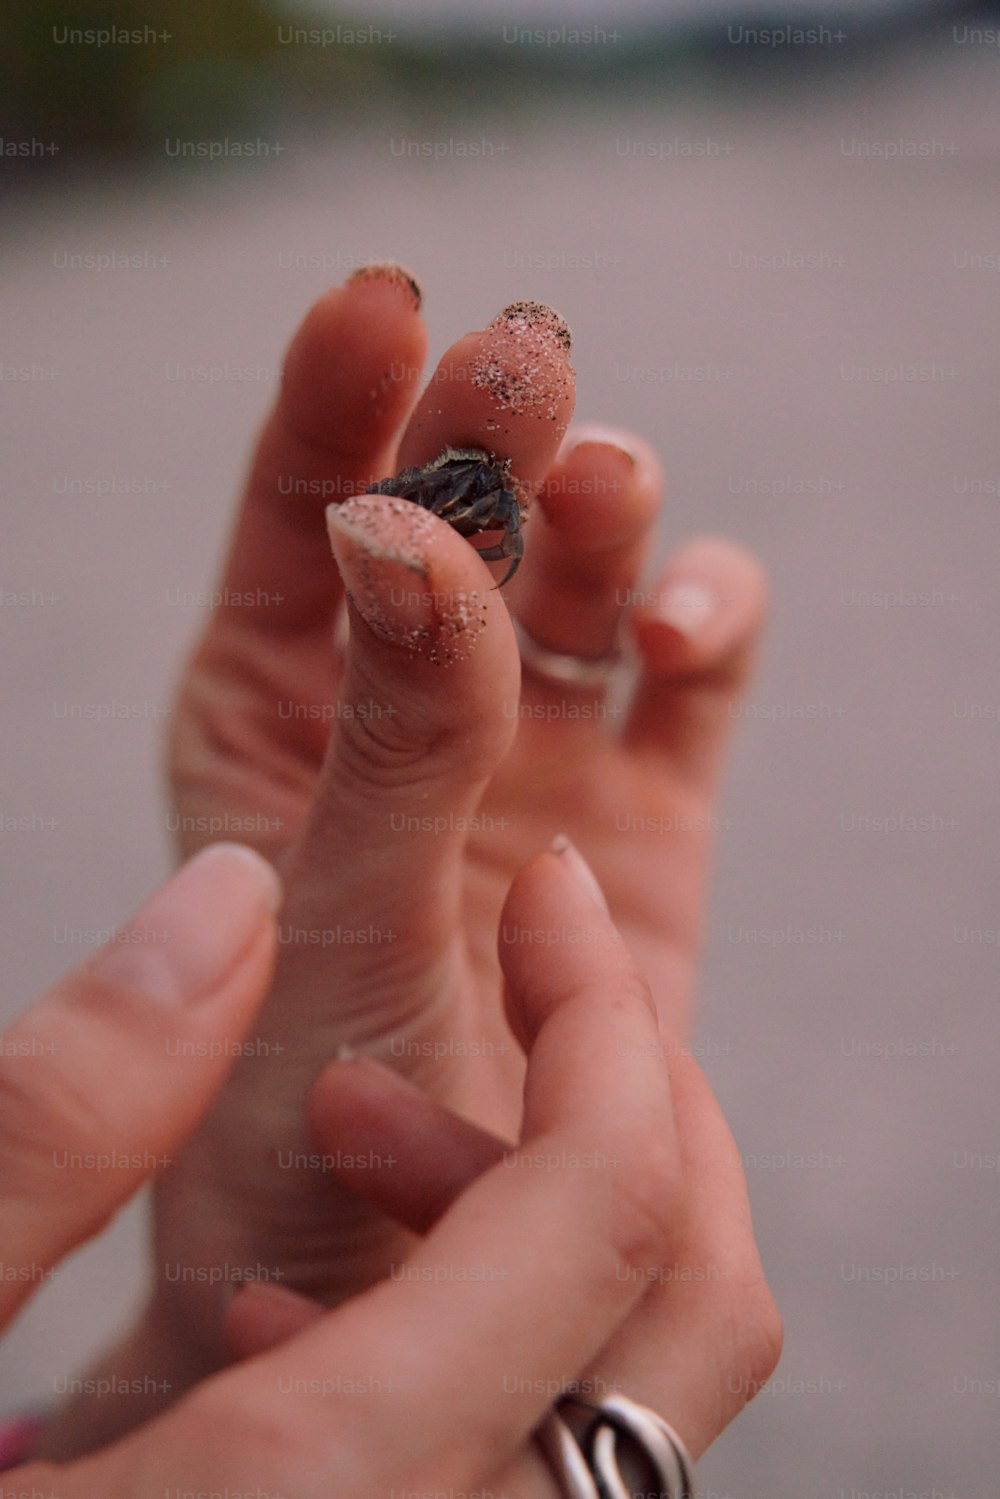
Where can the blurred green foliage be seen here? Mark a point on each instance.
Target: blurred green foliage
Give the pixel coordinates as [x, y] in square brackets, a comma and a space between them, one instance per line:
[199, 68]
[204, 69]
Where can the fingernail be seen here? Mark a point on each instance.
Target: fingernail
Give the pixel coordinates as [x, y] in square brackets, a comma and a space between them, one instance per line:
[685, 607]
[523, 364]
[577, 866]
[608, 437]
[381, 545]
[185, 940]
[536, 318]
[380, 553]
[395, 274]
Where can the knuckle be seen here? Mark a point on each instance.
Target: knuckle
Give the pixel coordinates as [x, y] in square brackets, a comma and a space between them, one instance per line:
[49, 1122]
[645, 1212]
[756, 1336]
[219, 1426]
[378, 752]
[39, 1479]
[585, 987]
[22, 1148]
[394, 751]
[765, 1334]
[273, 1444]
[45, 1112]
[61, 1103]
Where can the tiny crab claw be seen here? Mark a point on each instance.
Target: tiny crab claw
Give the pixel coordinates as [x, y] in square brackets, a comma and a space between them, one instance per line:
[472, 492]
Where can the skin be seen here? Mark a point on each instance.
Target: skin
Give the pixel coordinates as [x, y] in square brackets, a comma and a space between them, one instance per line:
[410, 736]
[592, 1258]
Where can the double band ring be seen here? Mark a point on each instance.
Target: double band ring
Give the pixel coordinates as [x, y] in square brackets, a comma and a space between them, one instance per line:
[619, 1430]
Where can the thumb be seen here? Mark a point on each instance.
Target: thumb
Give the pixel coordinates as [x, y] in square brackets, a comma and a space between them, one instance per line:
[108, 1072]
[427, 710]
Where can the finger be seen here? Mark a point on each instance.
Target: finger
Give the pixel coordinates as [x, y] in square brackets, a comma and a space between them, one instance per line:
[545, 955]
[708, 1333]
[262, 1314]
[362, 1111]
[697, 634]
[350, 376]
[108, 1073]
[589, 539]
[412, 748]
[590, 1185]
[349, 379]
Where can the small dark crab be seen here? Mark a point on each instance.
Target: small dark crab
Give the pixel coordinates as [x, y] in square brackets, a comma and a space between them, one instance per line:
[472, 492]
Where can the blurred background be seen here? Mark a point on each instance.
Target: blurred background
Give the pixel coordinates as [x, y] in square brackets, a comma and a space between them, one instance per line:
[775, 234]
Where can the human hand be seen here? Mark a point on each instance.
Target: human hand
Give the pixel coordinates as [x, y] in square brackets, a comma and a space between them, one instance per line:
[613, 1245]
[399, 796]
[103, 1078]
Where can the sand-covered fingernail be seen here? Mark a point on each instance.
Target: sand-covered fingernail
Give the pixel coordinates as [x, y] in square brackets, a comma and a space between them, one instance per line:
[536, 318]
[523, 361]
[382, 546]
[394, 274]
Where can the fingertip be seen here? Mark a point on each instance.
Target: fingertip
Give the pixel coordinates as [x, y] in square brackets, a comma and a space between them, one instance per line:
[415, 582]
[190, 937]
[709, 602]
[388, 274]
[392, 1144]
[261, 1314]
[351, 1085]
[697, 633]
[359, 352]
[559, 868]
[508, 388]
[598, 508]
[604, 490]
[263, 879]
[558, 939]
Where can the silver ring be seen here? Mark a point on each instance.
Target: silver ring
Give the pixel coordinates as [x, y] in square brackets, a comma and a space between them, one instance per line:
[589, 1468]
[567, 670]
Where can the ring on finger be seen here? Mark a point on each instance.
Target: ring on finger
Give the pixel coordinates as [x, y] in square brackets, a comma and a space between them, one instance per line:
[565, 668]
[590, 1468]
